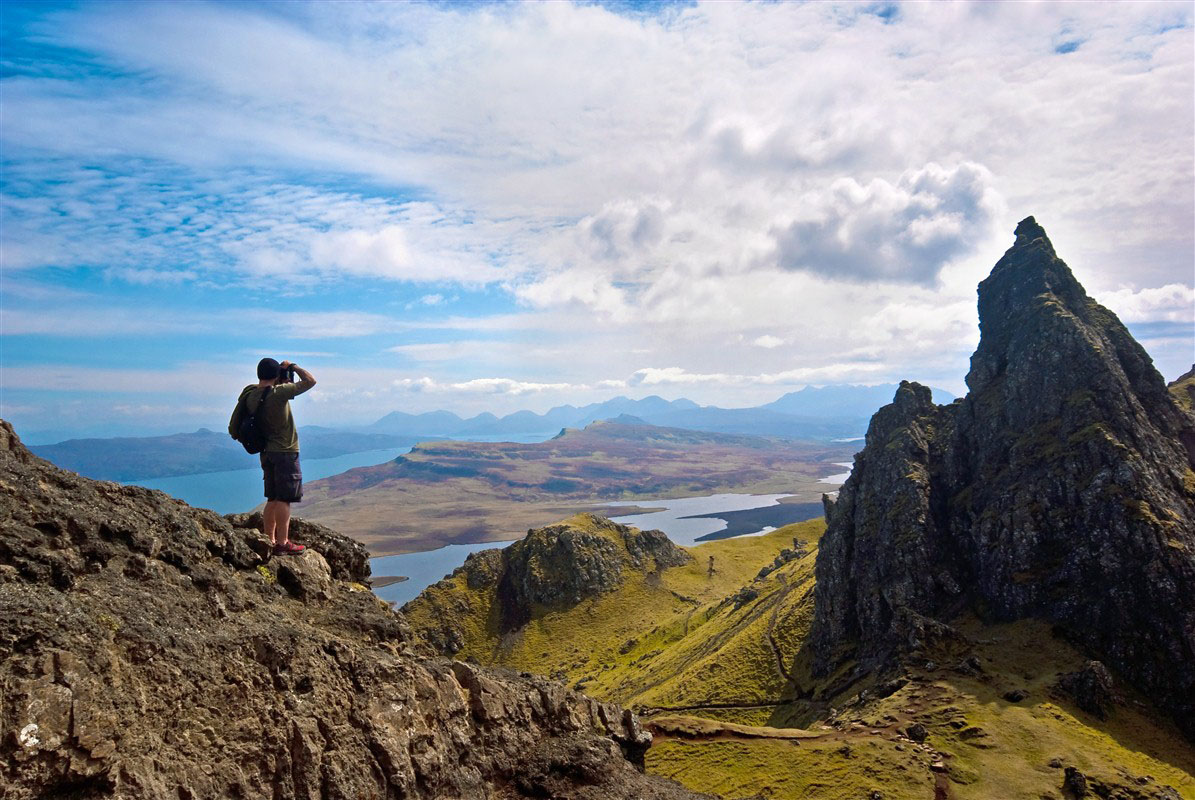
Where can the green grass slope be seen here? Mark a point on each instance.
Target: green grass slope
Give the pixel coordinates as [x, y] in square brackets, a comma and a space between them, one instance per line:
[665, 638]
[980, 744]
[1182, 389]
[716, 664]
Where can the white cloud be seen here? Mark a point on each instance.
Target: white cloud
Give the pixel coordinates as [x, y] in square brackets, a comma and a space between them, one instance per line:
[150, 277]
[90, 322]
[203, 379]
[907, 231]
[1174, 302]
[586, 288]
[744, 192]
[383, 253]
[316, 325]
[830, 373]
[661, 376]
[486, 386]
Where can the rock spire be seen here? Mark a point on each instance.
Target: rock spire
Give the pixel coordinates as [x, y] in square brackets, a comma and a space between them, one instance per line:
[1058, 488]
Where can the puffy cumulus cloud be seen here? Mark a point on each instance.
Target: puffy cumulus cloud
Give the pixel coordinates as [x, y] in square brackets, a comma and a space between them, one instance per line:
[903, 232]
[624, 229]
[576, 287]
[767, 341]
[664, 138]
[1174, 302]
[838, 139]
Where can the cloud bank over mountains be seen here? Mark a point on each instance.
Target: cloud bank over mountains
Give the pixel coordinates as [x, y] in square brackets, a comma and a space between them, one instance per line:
[554, 201]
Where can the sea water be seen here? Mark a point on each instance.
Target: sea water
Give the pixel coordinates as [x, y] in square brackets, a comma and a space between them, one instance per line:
[242, 490]
[239, 490]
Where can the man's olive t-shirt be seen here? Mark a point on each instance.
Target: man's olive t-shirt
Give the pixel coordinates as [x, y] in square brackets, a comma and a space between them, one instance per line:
[275, 414]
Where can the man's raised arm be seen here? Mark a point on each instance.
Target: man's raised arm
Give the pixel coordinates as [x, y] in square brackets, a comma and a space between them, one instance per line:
[306, 380]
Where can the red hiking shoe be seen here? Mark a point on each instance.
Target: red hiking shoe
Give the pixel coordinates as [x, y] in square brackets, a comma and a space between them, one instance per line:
[288, 549]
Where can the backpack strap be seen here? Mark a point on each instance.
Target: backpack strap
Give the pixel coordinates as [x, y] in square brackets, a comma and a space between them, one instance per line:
[260, 400]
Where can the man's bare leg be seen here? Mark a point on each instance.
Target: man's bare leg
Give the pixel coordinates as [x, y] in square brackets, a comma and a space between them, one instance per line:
[269, 520]
[282, 515]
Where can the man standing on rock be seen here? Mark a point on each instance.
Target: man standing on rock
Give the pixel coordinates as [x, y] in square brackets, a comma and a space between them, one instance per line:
[280, 457]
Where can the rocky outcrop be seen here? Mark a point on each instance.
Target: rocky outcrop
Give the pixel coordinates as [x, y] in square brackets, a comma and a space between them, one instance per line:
[561, 565]
[348, 560]
[554, 567]
[1091, 689]
[150, 652]
[1058, 488]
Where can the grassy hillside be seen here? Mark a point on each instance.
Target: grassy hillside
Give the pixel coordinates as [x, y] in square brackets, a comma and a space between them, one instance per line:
[684, 644]
[1183, 390]
[721, 677]
[984, 745]
[453, 492]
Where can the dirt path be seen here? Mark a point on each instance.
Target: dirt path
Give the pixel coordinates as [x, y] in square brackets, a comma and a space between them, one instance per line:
[683, 727]
[650, 710]
[666, 726]
[776, 605]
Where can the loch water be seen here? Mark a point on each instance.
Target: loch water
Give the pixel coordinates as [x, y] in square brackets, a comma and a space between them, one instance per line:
[668, 515]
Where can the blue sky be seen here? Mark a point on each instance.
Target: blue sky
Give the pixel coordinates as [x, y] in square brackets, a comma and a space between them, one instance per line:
[501, 206]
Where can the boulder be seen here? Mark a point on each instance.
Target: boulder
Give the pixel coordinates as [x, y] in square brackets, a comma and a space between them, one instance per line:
[1091, 688]
[348, 560]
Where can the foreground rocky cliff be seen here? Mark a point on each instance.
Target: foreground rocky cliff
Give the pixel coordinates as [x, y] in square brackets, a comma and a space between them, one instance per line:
[1059, 488]
[149, 651]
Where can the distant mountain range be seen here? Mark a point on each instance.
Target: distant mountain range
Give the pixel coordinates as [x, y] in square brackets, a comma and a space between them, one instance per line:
[823, 413]
[814, 414]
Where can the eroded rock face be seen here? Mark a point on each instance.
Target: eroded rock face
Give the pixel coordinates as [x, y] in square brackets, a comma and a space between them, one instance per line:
[561, 565]
[1058, 488]
[149, 652]
[556, 565]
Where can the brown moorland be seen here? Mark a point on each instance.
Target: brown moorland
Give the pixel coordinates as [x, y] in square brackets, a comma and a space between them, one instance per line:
[457, 492]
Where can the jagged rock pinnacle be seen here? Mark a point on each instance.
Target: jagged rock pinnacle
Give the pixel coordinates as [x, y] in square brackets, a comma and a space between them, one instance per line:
[1028, 230]
[1058, 488]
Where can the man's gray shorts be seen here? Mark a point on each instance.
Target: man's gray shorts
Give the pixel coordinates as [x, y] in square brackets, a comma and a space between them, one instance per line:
[283, 478]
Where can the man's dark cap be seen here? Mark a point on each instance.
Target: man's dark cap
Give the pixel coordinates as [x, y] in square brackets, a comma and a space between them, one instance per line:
[268, 369]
